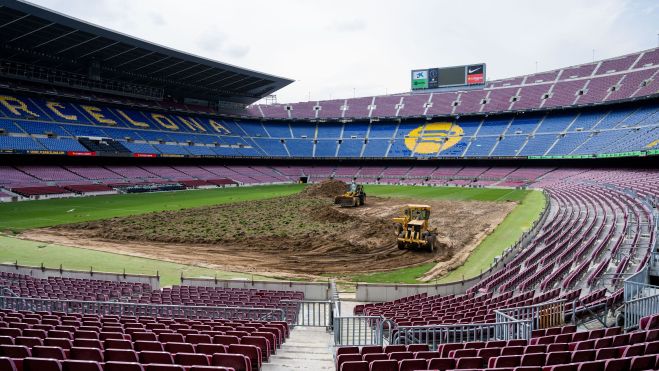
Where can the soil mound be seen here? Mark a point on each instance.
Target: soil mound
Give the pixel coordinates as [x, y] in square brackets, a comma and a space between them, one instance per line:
[326, 188]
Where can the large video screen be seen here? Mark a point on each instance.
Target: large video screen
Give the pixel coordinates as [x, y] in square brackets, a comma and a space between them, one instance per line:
[433, 78]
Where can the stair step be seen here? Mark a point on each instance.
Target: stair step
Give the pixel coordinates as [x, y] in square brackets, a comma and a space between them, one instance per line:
[307, 348]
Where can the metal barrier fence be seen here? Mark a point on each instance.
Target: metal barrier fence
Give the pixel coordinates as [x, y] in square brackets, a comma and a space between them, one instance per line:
[456, 333]
[315, 313]
[543, 315]
[362, 330]
[6, 291]
[509, 328]
[635, 284]
[642, 299]
[136, 309]
[638, 308]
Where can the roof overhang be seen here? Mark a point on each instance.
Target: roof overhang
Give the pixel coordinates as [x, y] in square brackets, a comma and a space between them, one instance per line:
[35, 35]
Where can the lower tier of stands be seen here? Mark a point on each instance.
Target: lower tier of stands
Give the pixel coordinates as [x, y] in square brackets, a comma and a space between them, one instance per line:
[41, 341]
[564, 350]
[32, 180]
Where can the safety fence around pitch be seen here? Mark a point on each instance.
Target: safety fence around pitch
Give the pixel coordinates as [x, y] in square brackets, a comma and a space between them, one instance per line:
[137, 309]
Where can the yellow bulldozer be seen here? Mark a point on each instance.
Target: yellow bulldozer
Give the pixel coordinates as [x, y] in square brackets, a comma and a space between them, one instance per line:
[354, 196]
[413, 229]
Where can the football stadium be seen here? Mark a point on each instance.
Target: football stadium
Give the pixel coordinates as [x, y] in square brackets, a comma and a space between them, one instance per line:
[162, 211]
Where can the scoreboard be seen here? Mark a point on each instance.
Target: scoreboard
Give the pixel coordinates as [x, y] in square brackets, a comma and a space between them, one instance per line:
[433, 78]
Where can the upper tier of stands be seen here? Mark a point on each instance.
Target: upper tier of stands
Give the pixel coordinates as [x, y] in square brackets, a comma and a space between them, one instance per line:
[625, 77]
[33, 125]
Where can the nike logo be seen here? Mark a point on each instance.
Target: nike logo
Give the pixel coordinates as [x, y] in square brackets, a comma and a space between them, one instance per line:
[474, 70]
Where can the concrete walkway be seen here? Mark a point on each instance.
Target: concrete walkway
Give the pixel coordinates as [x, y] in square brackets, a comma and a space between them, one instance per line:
[308, 348]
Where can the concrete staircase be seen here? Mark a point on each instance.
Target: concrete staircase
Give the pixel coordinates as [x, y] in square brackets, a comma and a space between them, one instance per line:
[308, 348]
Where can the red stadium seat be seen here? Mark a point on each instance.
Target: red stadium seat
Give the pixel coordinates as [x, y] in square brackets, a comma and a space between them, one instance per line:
[441, 364]
[156, 357]
[262, 343]
[77, 365]
[179, 348]
[121, 355]
[123, 366]
[15, 351]
[225, 340]
[375, 356]
[48, 352]
[86, 354]
[117, 344]
[250, 351]
[191, 359]
[412, 365]
[7, 363]
[384, 365]
[354, 366]
[347, 350]
[41, 364]
[157, 367]
[236, 361]
[210, 349]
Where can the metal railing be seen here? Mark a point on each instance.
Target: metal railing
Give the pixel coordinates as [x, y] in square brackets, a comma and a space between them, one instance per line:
[137, 309]
[638, 308]
[434, 335]
[336, 302]
[543, 315]
[641, 298]
[6, 291]
[635, 284]
[314, 313]
[362, 330]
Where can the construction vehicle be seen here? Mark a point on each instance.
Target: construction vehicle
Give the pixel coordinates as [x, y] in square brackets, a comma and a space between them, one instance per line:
[354, 196]
[413, 230]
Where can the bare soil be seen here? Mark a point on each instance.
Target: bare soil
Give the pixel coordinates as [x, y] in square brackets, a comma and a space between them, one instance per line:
[302, 235]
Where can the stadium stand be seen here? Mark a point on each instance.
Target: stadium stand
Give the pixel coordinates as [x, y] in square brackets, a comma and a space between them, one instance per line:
[36, 341]
[554, 349]
[598, 229]
[31, 125]
[620, 78]
[90, 178]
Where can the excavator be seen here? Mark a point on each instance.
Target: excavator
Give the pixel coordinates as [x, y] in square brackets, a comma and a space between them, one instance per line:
[413, 230]
[354, 196]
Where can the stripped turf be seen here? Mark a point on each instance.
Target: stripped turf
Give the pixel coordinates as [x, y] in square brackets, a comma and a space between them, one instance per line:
[18, 216]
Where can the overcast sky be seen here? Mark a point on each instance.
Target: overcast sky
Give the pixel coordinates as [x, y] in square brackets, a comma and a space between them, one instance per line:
[337, 48]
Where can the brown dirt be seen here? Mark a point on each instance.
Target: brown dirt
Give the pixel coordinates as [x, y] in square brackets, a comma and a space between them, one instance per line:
[326, 188]
[297, 236]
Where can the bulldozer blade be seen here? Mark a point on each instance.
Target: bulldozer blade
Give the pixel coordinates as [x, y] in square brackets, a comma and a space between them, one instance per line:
[346, 201]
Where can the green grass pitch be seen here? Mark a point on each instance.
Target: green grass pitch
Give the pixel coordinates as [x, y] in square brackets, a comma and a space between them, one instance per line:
[15, 217]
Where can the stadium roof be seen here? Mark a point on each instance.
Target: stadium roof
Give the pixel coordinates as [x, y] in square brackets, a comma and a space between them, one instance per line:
[34, 35]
